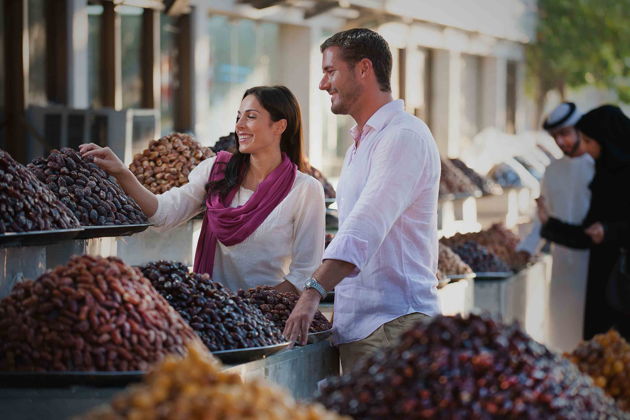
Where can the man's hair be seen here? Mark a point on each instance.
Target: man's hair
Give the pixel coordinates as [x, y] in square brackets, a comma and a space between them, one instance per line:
[360, 43]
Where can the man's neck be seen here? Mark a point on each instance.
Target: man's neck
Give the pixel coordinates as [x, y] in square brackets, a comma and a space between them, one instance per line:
[367, 105]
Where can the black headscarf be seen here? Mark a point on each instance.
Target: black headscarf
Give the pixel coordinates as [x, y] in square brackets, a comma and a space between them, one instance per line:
[610, 127]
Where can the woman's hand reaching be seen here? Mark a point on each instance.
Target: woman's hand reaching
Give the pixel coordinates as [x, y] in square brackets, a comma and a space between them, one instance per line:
[596, 232]
[104, 157]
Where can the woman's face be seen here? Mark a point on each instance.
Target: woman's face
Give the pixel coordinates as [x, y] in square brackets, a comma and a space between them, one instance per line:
[592, 147]
[255, 131]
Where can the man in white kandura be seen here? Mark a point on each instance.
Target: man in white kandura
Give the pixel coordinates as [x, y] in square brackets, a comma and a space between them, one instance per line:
[564, 189]
[383, 260]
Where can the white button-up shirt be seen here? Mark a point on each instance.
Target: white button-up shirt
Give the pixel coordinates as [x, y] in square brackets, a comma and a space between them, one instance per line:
[288, 245]
[387, 198]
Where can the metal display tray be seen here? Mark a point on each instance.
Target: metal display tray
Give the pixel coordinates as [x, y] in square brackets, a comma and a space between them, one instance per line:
[330, 297]
[237, 356]
[65, 379]
[466, 276]
[499, 275]
[316, 337]
[90, 232]
[38, 237]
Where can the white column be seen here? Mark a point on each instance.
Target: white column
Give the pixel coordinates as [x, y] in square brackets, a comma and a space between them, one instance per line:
[200, 71]
[521, 100]
[494, 90]
[78, 85]
[298, 53]
[445, 103]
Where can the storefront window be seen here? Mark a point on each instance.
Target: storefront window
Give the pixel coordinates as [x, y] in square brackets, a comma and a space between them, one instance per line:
[130, 50]
[95, 19]
[36, 53]
[243, 54]
[168, 71]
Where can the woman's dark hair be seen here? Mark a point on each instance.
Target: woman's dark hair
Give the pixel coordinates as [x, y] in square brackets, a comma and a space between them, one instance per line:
[281, 105]
[359, 43]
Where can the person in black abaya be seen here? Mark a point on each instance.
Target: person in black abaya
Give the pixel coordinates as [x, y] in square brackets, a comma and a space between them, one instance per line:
[605, 132]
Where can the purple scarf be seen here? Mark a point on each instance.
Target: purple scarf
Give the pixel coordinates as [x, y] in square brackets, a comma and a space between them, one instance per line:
[233, 225]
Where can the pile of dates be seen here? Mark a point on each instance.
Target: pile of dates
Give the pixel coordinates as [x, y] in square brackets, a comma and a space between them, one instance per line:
[450, 263]
[479, 258]
[197, 388]
[453, 181]
[474, 368]
[26, 204]
[93, 314]
[485, 184]
[278, 306]
[167, 162]
[222, 320]
[329, 190]
[499, 240]
[606, 359]
[94, 197]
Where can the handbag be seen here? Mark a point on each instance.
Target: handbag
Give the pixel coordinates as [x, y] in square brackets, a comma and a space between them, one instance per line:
[618, 287]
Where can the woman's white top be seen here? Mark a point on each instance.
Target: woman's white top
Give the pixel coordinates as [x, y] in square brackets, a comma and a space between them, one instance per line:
[288, 245]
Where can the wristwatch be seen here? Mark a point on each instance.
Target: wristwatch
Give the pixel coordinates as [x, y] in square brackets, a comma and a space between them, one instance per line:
[314, 284]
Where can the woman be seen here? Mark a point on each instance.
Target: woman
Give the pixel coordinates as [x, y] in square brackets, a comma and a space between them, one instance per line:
[605, 132]
[264, 218]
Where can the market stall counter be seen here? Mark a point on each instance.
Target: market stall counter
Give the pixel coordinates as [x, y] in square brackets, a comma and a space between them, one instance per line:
[297, 370]
[521, 297]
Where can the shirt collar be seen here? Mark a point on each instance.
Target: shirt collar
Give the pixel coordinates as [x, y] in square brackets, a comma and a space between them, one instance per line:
[378, 120]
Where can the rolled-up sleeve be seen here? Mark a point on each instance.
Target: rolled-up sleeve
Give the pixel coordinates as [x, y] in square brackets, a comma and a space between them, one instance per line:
[179, 204]
[309, 226]
[399, 164]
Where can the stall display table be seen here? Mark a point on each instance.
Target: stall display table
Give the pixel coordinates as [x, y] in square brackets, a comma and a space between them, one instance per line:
[457, 214]
[297, 370]
[523, 297]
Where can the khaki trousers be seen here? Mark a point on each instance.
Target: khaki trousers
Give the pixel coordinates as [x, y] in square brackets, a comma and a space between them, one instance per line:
[385, 336]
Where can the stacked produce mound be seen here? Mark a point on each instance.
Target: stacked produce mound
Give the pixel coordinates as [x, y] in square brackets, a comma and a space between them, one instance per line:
[278, 306]
[26, 204]
[453, 181]
[505, 176]
[223, 321]
[92, 314]
[225, 143]
[196, 388]
[450, 263]
[455, 368]
[94, 197]
[499, 240]
[606, 358]
[167, 162]
[486, 185]
[479, 258]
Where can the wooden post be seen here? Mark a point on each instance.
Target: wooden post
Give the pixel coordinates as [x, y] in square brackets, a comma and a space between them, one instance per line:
[16, 76]
[150, 60]
[184, 95]
[111, 73]
[56, 52]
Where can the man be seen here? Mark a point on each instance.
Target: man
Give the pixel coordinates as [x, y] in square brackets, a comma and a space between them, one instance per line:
[565, 192]
[386, 248]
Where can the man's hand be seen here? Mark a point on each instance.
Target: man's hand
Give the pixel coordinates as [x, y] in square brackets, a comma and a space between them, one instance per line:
[596, 232]
[299, 322]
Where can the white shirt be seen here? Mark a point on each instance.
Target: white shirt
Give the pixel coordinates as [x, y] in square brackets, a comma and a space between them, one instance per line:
[567, 196]
[387, 198]
[288, 245]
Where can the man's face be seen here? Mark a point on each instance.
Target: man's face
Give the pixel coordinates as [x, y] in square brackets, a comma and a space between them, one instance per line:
[568, 141]
[339, 81]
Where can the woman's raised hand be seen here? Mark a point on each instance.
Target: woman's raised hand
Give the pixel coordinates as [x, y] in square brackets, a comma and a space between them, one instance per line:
[104, 157]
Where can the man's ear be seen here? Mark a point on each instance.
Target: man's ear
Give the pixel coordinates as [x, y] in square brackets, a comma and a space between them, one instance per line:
[364, 66]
